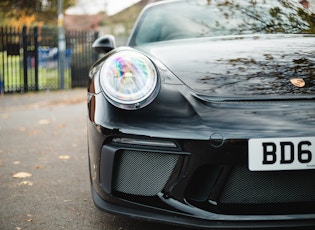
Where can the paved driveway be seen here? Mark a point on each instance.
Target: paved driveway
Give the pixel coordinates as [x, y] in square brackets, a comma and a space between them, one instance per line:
[44, 180]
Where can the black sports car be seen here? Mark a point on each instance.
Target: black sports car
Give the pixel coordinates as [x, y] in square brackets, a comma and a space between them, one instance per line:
[207, 117]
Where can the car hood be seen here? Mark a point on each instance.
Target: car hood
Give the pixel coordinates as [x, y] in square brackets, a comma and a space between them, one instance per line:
[242, 66]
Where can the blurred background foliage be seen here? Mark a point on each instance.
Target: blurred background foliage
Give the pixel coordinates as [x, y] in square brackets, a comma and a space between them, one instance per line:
[31, 12]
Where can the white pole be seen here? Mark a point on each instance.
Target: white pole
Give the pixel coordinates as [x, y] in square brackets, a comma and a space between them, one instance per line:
[61, 46]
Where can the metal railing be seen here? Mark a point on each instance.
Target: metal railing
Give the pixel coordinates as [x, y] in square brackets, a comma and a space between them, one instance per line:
[29, 58]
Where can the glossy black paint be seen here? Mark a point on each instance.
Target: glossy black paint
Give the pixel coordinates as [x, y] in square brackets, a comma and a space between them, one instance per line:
[200, 106]
[216, 93]
[251, 66]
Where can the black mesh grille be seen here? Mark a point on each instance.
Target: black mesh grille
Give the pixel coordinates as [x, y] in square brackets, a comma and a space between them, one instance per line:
[281, 191]
[142, 173]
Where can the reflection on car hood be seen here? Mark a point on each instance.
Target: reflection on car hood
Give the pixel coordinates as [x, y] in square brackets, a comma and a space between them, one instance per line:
[242, 66]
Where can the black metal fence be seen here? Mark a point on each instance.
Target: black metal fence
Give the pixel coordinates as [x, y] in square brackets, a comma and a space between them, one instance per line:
[79, 43]
[29, 58]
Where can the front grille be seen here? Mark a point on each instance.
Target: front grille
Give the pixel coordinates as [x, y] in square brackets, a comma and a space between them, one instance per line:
[238, 191]
[268, 192]
[142, 173]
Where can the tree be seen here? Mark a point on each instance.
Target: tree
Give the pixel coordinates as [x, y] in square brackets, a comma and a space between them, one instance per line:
[44, 11]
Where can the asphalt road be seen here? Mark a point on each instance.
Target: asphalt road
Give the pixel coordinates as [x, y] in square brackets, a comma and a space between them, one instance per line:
[44, 181]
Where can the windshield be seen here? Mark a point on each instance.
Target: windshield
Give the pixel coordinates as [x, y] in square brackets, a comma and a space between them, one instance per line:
[208, 18]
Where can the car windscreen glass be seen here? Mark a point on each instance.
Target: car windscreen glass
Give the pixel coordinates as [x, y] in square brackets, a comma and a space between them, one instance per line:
[201, 18]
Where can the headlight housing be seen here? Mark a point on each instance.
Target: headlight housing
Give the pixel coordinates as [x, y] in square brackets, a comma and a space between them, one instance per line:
[129, 80]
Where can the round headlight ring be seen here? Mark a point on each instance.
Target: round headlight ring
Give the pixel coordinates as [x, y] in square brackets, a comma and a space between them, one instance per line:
[129, 80]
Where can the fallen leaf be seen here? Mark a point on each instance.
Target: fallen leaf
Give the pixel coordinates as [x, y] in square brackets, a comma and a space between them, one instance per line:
[22, 129]
[38, 166]
[36, 132]
[64, 157]
[43, 122]
[22, 175]
[30, 183]
[16, 162]
[5, 116]
[18, 228]
[61, 126]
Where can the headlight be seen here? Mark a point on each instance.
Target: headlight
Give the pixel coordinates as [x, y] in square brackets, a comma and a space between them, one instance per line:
[129, 80]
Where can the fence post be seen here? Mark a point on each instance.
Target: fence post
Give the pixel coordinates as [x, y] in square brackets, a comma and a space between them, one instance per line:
[2, 48]
[24, 39]
[61, 45]
[36, 57]
[95, 55]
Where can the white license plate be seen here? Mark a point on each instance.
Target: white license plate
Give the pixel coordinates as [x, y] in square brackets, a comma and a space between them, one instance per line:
[274, 154]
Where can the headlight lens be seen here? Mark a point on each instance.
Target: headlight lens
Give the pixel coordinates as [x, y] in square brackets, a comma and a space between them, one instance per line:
[129, 80]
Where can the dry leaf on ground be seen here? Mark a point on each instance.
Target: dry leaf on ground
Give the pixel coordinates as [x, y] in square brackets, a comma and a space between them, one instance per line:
[5, 116]
[26, 182]
[64, 157]
[22, 129]
[44, 122]
[22, 175]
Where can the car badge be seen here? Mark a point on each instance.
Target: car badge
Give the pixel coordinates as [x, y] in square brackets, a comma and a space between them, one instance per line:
[298, 82]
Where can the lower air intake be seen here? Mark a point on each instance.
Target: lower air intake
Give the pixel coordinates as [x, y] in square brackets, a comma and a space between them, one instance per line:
[142, 173]
[269, 192]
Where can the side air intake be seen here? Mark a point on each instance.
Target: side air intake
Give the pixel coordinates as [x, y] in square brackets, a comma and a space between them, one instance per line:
[142, 173]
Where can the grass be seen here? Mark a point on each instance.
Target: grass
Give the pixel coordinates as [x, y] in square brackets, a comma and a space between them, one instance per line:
[12, 75]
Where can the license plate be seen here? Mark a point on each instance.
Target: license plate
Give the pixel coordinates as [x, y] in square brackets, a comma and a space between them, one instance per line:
[275, 154]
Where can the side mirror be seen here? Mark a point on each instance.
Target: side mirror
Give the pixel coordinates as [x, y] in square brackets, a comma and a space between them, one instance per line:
[104, 44]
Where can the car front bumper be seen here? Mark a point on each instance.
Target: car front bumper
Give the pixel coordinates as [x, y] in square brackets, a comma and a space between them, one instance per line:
[194, 183]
